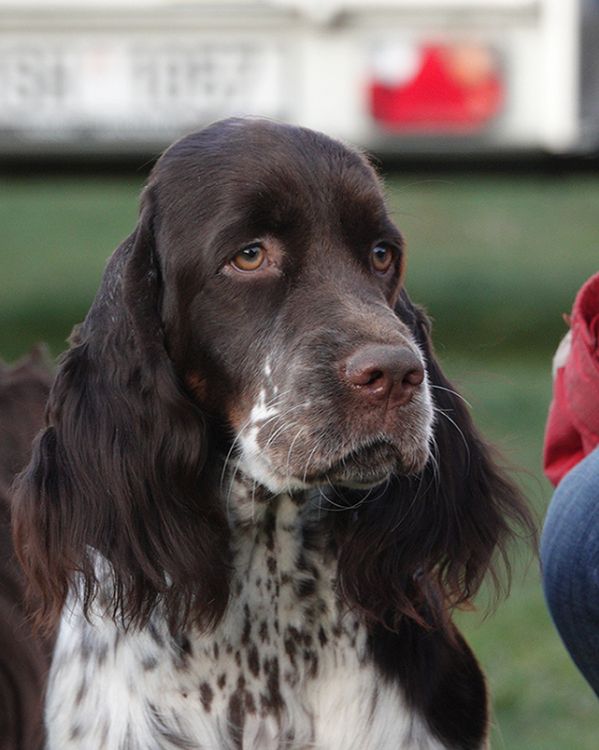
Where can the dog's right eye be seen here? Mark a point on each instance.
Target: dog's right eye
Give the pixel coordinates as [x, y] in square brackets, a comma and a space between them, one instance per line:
[381, 258]
[251, 258]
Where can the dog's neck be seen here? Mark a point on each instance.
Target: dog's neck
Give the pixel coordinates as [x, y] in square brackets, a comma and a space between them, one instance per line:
[282, 538]
[250, 505]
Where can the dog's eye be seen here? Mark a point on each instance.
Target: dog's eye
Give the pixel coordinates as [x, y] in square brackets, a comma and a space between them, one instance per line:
[381, 258]
[251, 258]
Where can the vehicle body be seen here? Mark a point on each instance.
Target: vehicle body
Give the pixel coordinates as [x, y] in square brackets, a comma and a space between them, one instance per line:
[395, 76]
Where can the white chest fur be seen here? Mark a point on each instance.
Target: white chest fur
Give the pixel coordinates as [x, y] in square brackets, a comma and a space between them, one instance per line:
[286, 669]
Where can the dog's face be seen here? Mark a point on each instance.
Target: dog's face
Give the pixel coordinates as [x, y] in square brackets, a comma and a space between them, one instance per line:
[281, 269]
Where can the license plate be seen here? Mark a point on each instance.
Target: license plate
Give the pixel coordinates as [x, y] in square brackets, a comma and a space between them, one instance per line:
[145, 82]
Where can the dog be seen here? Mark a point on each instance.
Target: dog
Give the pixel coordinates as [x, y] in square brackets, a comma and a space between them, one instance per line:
[257, 499]
[24, 656]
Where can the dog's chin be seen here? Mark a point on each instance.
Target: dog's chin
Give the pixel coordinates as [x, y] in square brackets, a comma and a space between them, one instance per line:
[370, 465]
[363, 467]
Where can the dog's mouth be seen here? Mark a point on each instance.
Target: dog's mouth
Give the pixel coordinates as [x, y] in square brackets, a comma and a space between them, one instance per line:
[363, 466]
[284, 460]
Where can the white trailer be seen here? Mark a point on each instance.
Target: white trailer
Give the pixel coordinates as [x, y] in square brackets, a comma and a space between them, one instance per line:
[100, 76]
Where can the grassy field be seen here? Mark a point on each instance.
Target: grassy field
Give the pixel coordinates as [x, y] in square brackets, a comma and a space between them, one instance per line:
[540, 701]
[496, 260]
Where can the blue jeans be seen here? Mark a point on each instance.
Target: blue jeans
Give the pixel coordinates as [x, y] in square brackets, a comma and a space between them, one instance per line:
[570, 564]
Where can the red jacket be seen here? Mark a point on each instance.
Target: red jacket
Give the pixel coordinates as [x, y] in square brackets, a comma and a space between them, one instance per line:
[573, 424]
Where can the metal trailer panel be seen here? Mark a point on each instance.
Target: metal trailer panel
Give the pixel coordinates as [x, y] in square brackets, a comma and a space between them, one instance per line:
[113, 78]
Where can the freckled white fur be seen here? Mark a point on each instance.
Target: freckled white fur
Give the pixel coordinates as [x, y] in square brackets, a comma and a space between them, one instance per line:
[256, 464]
[261, 411]
[137, 690]
[254, 460]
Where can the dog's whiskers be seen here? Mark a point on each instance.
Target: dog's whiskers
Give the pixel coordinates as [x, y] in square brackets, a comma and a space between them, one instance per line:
[452, 392]
[458, 429]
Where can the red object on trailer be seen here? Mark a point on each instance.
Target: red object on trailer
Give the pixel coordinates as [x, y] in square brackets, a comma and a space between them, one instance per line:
[454, 88]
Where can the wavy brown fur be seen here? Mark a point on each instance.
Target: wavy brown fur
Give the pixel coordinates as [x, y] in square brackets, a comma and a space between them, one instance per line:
[24, 656]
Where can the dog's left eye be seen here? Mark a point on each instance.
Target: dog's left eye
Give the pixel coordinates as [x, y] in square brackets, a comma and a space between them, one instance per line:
[381, 258]
[251, 258]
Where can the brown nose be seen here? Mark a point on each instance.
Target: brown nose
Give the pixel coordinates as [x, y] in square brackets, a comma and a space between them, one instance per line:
[380, 372]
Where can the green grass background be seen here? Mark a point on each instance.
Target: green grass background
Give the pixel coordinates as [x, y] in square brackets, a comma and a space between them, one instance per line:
[495, 259]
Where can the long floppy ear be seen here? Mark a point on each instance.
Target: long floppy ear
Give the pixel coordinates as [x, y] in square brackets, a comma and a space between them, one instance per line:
[425, 544]
[121, 468]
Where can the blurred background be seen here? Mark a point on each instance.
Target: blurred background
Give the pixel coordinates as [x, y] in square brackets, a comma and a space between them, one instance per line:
[483, 117]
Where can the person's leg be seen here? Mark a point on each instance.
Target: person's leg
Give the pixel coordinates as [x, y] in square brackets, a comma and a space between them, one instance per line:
[570, 564]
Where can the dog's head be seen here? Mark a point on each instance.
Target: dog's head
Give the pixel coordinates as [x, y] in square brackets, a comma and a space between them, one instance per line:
[279, 272]
[255, 316]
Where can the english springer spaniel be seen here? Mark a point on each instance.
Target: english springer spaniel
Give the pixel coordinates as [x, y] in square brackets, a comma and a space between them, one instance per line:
[24, 657]
[257, 499]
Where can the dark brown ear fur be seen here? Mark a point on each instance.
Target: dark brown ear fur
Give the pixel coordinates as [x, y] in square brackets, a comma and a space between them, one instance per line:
[121, 467]
[424, 546]
[24, 389]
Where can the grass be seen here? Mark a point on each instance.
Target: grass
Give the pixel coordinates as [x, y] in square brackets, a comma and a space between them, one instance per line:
[495, 259]
[56, 237]
[540, 700]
